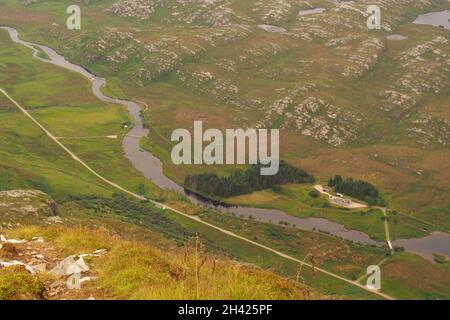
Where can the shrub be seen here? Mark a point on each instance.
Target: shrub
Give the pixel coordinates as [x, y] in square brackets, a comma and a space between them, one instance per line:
[16, 283]
[314, 194]
[439, 258]
[276, 189]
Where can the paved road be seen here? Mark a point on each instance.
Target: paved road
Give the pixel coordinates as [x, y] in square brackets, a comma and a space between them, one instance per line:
[188, 216]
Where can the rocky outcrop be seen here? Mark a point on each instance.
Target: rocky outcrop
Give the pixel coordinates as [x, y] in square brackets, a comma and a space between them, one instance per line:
[428, 131]
[423, 69]
[140, 9]
[318, 119]
[37, 256]
[215, 49]
[31, 204]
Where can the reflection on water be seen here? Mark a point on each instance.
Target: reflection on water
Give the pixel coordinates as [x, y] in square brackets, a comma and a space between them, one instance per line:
[151, 168]
[437, 242]
[437, 19]
[278, 216]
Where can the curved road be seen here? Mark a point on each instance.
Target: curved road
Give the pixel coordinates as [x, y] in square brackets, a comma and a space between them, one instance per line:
[194, 218]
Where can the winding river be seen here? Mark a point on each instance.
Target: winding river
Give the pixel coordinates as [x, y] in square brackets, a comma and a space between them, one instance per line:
[152, 168]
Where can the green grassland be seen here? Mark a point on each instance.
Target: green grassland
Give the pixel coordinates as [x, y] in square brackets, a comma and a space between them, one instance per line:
[295, 200]
[408, 277]
[383, 154]
[74, 115]
[135, 269]
[31, 160]
[403, 226]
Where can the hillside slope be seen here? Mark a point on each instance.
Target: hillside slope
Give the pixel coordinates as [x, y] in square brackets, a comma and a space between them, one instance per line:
[120, 268]
[349, 101]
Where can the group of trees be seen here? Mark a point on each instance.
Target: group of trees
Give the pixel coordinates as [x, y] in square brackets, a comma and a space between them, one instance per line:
[243, 182]
[358, 189]
[250, 180]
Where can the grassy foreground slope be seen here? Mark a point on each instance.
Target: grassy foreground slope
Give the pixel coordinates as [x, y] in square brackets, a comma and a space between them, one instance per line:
[140, 255]
[138, 270]
[134, 267]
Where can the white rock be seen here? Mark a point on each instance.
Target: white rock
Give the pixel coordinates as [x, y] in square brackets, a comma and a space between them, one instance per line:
[38, 239]
[12, 241]
[41, 267]
[70, 266]
[6, 264]
[100, 251]
[86, 279]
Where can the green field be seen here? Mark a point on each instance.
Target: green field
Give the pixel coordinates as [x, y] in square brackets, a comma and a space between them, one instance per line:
[237, 75]
[75, 116]
[30, 160]
[295, 200]
[408, 276]
[410, 172]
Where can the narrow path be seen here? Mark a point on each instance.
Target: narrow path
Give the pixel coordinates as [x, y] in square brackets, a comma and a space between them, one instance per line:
[356, 205]
[364, 276]
[111, 137]
[188, 216]
[386, 228]
[73, 155]
[143, 103]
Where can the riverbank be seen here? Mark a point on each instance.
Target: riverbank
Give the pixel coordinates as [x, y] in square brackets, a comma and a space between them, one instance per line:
[141, 159]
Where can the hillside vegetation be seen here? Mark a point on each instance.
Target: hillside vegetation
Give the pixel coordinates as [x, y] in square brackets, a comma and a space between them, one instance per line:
[245, 182]
[348, 102]
[138, 270]
[31, 160]
[130, 268]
